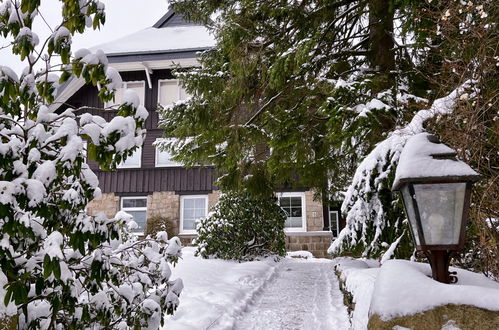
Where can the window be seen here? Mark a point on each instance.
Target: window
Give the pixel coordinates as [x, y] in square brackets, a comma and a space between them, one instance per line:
[137, 86]
[192, 208]
[334, 223]
[163, 158]
[137, 207]
[132, 161]
[294, 206]
[170, 91]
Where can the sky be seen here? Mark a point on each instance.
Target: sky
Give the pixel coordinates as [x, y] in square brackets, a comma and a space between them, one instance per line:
[122, 18]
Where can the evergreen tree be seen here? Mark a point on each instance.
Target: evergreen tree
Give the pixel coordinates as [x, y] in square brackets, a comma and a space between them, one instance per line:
[300, 92]
[60, 268]
[295, 90]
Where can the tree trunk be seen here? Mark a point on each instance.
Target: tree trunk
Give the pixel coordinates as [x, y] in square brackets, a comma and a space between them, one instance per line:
[381, 46]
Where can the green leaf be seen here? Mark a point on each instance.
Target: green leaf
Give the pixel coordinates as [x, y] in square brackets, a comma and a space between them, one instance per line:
[8, 296]
[56, 268]
[47, 266]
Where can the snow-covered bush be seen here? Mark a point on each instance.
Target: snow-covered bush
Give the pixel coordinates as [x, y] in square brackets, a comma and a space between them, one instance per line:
[61, 268]
[242, 227]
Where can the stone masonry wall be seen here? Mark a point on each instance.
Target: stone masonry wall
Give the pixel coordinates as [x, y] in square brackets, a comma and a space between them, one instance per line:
[314, 212]
[316, 243]
[107, 203]
[213, 199]
[165, 204]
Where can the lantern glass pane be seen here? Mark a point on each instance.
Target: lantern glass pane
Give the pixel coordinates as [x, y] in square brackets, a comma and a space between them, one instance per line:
[411, 214]
[440, 208]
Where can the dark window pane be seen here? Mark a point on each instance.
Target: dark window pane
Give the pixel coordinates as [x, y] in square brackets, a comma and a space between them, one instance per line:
[296, 201]
[296, 212]
[140, 218]
[134, 202]
[284, 201]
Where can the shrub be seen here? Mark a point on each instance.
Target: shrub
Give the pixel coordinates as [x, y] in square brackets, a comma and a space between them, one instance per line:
[242, 227]
[157, 224]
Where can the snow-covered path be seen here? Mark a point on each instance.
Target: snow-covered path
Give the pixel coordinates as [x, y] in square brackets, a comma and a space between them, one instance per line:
[303, 294]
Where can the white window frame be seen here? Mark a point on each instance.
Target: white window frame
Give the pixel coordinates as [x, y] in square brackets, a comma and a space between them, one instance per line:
[134, 209]
[159, 90]
[109, 105]
[337, 222]
[303, 210]
[139, 150]
[156, 155]
[182, 199]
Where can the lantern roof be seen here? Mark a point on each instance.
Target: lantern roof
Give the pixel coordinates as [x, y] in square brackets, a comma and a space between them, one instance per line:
[425, 159]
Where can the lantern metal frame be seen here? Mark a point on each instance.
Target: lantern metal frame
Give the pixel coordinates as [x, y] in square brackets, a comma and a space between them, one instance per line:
[439, 255]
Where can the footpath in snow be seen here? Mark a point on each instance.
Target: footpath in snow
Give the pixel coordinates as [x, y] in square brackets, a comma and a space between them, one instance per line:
[303, 294]
[291, 294]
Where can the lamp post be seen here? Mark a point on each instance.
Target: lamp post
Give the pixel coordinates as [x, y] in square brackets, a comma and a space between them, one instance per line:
[435, 189]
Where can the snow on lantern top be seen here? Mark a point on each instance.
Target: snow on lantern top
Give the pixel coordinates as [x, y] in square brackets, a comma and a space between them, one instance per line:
[425, 159]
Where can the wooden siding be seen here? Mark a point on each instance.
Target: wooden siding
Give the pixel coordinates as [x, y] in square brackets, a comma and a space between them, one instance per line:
[87, 96]
[147, 181]
[148, 178]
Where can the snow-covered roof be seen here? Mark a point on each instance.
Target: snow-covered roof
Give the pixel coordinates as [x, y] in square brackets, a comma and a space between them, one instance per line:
[425, 158]
[160, 40]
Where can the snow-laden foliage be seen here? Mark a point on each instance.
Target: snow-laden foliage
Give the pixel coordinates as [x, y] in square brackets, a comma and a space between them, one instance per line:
[61, 268]
[242, 227]
[289, 90]
[365, 205]
[302, 91]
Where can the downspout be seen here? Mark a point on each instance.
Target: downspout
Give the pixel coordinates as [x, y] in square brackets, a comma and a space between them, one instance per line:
[148, 74]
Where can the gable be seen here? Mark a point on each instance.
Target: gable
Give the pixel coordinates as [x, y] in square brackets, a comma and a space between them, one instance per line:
[172, 19]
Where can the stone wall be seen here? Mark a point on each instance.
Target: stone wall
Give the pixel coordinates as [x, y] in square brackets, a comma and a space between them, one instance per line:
[314, 212]
[315, 242]
[165, 204]
[442, 317]
[213, 199]
[108, 203]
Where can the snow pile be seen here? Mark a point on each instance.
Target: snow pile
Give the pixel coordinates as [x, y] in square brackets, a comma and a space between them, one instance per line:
[215, 291]
[400, 279]
[300, 254]
[358, 276]
[401, 288]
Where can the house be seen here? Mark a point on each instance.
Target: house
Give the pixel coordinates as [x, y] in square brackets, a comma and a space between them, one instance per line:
[149, 183]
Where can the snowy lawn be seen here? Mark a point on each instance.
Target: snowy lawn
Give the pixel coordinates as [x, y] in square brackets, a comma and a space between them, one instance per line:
[294, 293]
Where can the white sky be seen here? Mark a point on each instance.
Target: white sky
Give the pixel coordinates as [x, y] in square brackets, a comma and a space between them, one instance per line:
[122, 18]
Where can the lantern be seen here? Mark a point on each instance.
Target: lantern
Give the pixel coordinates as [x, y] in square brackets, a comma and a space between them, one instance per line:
[436, 189]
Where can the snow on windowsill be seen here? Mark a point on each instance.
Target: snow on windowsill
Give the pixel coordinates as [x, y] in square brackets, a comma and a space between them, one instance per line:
[187, 234]
[308, 233]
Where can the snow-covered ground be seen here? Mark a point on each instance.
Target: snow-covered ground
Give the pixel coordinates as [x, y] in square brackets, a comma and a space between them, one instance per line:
[294, 293]
[383, 289]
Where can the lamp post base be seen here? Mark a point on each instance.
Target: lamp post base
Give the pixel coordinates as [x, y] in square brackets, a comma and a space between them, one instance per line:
[439, 262]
